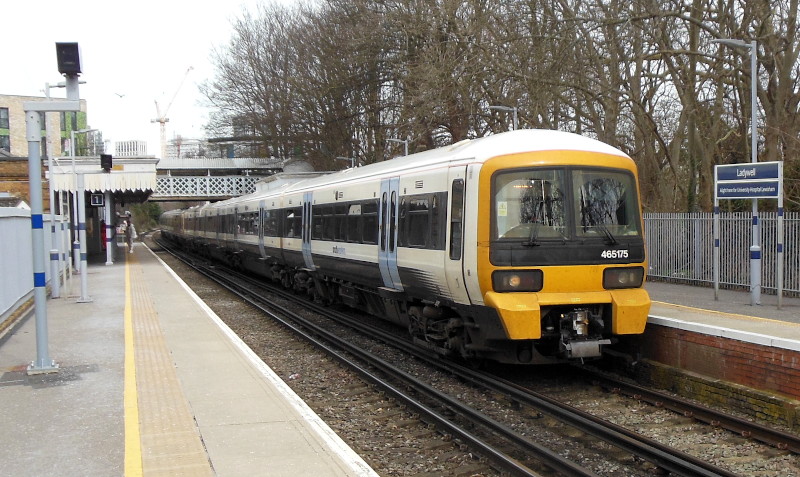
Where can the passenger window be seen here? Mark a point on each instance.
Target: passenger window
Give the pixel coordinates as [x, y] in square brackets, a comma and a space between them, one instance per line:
[354, 227]
[369, 212]
[340, 225]
[418, 222]
[293, 223]
[316, 223]
[328, 223]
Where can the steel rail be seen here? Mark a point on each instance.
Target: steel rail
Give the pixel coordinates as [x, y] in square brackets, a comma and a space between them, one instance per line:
[748, 429]
[663, 456]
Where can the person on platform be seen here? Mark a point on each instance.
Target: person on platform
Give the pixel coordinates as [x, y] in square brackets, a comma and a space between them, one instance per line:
[130, 234]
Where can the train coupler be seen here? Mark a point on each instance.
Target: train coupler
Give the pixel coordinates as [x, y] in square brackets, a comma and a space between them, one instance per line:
[585, 349]
[580, 337]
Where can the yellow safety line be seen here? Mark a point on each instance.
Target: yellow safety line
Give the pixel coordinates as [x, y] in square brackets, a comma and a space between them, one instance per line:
[725, 313]
[133, 443]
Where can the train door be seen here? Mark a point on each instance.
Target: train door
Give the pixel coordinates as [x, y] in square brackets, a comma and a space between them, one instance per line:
[261, 206]
[235, 230]
[387, 246]
[218, 229]
[306, 231]
[454, 259]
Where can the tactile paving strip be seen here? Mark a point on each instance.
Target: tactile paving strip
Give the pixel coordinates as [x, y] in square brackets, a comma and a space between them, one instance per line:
[171, 444]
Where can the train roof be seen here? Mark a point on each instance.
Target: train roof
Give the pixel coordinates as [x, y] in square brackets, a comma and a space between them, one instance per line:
[474, 150]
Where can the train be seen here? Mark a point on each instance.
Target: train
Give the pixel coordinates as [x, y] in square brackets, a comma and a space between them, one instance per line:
[523, 247]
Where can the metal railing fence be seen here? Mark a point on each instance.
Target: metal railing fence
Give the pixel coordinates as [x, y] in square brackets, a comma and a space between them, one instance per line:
[680, 249]
[204, 186]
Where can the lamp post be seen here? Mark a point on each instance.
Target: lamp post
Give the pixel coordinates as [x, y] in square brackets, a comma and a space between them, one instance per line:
[402, 141]
[755, 249]
[68, 55]
[508, 108]
[76, 254]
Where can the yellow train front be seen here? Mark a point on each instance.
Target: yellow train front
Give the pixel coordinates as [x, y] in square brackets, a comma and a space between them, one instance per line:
[560, 259]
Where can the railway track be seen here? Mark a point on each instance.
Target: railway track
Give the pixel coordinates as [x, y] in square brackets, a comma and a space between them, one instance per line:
[506, 448]
[751, 430]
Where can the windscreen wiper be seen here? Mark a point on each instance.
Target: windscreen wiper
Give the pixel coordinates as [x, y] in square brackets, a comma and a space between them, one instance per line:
[610, 239]
[532, 242]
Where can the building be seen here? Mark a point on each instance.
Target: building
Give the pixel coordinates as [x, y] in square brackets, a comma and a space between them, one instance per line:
[185, 148]
[56, 128]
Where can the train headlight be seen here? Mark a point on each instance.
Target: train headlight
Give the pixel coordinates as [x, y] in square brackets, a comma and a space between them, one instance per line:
[517, 280]
[628, 277]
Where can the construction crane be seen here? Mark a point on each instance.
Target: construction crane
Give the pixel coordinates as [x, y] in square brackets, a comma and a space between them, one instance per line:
[161, 117]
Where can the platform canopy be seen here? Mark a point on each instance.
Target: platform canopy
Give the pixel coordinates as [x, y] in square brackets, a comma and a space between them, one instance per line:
[126, 175]
[130, 180]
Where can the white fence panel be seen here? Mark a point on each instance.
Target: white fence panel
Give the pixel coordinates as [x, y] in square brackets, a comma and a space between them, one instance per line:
[680, 249]
[16, 258]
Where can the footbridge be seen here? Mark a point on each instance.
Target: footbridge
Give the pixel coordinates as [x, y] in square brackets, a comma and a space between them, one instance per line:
[210, 179]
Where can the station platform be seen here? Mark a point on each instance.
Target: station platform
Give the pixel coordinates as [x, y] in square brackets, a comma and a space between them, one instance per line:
[731, 316]
[150, 382]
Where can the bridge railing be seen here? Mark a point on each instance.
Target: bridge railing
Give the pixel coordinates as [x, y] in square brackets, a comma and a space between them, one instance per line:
[204, 186]
[680, 249]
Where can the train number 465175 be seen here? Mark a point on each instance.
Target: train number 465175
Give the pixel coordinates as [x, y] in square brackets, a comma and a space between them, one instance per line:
[611, 254]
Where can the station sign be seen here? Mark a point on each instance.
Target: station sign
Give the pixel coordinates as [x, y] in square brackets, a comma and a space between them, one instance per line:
[754, 180]
[760, 180]
[97, 200]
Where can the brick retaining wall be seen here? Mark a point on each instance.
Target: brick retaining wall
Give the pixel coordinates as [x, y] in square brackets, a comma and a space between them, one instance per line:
[761, 381]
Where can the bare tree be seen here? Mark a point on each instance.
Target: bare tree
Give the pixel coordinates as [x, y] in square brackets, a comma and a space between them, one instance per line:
[341, 77]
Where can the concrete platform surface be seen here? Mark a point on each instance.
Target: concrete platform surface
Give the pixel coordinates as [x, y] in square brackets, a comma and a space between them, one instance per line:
[151, 382]
[731, 316]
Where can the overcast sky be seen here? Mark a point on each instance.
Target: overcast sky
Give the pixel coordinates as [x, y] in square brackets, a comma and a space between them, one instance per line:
[133, 54]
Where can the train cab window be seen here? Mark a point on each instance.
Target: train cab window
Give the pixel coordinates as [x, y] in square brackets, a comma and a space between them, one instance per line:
[530, 205]
[605, 203]
[456, 218]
